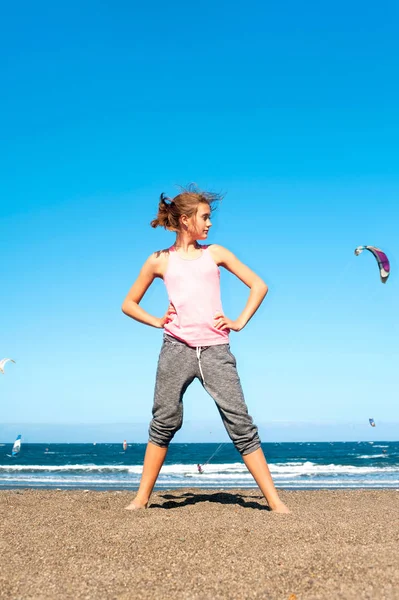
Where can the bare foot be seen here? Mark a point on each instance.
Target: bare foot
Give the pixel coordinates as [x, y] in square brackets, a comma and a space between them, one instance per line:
[136, 505]
[281, 508]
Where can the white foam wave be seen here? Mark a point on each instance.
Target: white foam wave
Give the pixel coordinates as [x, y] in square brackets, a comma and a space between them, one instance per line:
[220, 476]
[373, 456]
[309, 468]
[177, 483]
[52, 468]
[232, 470]
[210, 468]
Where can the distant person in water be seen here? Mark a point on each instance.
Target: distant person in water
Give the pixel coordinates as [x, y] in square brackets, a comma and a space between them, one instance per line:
[196, 336]
[200, 470]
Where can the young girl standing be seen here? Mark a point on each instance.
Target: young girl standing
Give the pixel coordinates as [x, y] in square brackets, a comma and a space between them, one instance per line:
[196, 338]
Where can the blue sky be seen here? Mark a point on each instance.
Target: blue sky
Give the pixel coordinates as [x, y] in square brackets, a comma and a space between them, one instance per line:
[288, 109]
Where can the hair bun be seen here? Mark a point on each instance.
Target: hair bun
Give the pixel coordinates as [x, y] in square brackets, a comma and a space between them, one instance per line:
[185, 203]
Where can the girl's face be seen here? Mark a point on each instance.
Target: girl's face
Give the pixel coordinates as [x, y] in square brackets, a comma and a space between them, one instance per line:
[200, 223]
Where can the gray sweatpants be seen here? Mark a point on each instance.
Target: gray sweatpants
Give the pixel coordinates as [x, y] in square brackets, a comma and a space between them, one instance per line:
[215, 366]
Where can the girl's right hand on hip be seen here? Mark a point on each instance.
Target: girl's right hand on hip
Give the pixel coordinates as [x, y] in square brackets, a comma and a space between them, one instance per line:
[168, 316]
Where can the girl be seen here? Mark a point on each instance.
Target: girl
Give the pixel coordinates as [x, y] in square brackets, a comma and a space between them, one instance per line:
[196, 337]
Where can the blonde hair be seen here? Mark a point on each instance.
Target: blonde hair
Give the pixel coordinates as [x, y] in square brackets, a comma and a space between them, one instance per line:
[186, 203]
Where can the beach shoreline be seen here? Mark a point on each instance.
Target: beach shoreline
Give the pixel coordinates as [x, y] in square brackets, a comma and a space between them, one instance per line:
[195, 543]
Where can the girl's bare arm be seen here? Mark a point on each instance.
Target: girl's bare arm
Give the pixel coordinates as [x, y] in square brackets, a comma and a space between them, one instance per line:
[258, 287]
[130, 306]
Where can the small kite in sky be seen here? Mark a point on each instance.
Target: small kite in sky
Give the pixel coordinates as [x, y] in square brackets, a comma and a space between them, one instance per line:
[381, 258]
[3, 361]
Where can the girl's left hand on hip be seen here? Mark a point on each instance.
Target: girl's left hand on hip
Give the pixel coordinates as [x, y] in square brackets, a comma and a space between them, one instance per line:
[224, 324]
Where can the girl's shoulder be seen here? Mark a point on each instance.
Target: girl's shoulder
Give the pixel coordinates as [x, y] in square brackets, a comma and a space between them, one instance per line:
[217, 252]
[161, 254]
[159, 261]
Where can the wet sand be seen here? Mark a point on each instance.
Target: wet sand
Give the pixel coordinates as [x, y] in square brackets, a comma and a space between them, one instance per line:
[196, 544]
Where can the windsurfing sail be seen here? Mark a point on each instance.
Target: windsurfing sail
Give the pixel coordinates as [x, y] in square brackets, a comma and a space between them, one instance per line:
[381, 258]
[3, 362]
[16, 447]
[371, 421]
[124, 445]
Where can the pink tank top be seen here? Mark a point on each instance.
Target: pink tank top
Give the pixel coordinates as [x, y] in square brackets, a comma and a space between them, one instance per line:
[193, 288]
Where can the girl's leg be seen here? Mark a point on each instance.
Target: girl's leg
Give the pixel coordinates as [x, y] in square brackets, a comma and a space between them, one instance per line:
[176, 370]
[153, 461]
[257, 466]
[222, 382]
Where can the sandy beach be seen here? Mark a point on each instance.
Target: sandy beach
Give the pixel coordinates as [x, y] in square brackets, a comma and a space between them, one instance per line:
[200, 544]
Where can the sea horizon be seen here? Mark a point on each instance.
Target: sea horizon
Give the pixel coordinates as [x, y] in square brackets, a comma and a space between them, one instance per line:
[294, 465]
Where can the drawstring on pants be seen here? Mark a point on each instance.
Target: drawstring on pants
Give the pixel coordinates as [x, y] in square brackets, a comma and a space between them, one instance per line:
[199, 349]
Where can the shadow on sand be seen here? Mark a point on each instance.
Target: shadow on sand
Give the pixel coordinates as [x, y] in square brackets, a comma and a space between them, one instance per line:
[188, 498]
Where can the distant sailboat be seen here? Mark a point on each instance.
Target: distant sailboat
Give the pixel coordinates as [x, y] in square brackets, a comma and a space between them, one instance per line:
[16, 447]
[125, 445]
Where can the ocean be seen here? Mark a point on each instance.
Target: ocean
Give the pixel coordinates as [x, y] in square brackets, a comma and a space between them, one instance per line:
[294, 466]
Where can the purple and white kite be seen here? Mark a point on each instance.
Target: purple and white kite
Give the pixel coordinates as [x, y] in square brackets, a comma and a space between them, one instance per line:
[381, 258]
